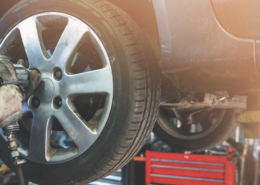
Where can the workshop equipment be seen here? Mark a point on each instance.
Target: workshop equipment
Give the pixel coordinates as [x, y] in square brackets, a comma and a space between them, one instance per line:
[10, 132]
[187, 169]
[15, 74]
[10, 73]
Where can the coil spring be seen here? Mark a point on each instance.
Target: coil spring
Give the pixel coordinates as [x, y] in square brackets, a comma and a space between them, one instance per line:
[11, 129]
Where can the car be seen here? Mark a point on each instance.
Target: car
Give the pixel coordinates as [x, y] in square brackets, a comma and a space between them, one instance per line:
[111, 70]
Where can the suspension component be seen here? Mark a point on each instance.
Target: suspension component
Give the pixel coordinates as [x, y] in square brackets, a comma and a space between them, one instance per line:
[10, 131]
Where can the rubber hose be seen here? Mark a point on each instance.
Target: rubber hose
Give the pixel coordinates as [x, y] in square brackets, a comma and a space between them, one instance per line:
[19, 174]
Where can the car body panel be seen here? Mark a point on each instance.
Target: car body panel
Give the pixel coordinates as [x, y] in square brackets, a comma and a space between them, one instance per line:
[196, 48]
[206, 45]
[239, 17]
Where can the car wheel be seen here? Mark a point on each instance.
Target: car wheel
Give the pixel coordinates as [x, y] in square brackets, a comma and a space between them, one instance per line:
[212, 127]
[100, 88]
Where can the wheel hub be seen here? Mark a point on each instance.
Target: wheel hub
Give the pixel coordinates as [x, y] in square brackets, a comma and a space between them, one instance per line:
[45, 89]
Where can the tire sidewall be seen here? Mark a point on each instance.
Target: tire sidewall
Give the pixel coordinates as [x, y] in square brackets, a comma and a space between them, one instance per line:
[221, 133]
[123, 89]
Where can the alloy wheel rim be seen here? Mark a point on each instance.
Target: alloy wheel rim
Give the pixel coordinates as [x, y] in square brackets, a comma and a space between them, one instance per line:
[83, 133]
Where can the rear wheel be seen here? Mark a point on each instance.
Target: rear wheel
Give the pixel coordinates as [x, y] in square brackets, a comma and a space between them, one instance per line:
[206, 128]
[100, 88]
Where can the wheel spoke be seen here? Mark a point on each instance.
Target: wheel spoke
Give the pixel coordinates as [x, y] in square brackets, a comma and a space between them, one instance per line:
[39, 139]
[99, 48]
[70, 40]
[98, 81]
[33, 44]
[75, 127]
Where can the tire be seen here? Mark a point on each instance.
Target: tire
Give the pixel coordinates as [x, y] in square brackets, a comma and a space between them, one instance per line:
[135, 98]
[221, 133]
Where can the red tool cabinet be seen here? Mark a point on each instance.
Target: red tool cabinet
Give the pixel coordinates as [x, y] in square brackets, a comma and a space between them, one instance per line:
[191, 169]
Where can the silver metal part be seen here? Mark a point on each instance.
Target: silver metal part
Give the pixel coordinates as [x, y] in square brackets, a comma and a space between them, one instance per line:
[10, 132]
[11, 73]
[22, 73]
[7, 71]
[99, 81]
[19, 162]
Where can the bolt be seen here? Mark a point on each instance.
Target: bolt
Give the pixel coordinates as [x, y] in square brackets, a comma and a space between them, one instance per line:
[57, 73]
[36, 102]
[57, 102]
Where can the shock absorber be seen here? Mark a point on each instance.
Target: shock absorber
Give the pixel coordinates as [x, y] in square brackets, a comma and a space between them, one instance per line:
[10, 132]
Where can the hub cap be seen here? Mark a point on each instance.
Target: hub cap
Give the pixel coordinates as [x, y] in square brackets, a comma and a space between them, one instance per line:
[62, 85]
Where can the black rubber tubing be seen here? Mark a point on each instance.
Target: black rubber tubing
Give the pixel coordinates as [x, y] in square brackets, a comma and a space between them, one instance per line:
[19, 173]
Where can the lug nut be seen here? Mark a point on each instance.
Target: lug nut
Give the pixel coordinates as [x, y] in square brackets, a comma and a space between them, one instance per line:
[35, 102]
[57, 102]
[57, 74]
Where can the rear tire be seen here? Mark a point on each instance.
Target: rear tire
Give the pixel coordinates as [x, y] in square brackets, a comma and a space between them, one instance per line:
[136, 91]
[220, 134]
